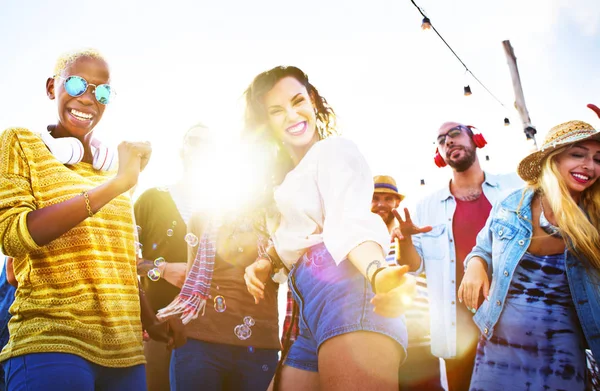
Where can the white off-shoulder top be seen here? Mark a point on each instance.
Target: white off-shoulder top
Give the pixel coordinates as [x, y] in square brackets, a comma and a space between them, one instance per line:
[326, 198]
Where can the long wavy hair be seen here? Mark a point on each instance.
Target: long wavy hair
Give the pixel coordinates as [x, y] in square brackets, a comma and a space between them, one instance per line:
[579, 224]
[256, 119]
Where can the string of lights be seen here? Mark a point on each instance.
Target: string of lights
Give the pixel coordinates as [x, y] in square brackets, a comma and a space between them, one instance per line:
[426, 25]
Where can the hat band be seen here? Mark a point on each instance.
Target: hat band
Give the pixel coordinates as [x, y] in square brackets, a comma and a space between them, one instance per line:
[573, 136]
[386, 186]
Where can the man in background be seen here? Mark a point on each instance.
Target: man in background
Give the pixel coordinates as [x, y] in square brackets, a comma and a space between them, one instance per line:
[445, 227]
[162, 215]
[421, 370]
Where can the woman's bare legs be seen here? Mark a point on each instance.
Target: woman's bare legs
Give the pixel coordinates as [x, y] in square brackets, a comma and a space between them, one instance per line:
[297, 379]
[359, 360]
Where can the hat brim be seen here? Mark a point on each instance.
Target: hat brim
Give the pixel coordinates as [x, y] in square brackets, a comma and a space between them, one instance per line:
[530, 168]
[389, 191]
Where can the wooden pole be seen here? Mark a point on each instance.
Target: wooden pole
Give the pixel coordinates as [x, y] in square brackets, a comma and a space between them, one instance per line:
[519, 96]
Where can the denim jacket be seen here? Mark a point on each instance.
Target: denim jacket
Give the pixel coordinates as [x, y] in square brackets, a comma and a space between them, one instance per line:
[503, 242]
[438, 253]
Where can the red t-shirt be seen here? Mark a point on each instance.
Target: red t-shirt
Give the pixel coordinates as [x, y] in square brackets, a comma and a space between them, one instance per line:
[469, 219]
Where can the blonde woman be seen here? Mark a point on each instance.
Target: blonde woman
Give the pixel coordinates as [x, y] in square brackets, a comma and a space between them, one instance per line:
[541, 250]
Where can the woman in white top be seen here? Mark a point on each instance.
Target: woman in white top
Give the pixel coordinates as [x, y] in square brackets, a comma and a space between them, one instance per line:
[350, 302]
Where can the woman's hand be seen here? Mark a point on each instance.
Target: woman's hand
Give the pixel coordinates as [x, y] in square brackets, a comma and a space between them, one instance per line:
[256, 275]
[133, 158]
[395, 291]
[171, 331]
[176, 330]
[144, 266]
[474, 283]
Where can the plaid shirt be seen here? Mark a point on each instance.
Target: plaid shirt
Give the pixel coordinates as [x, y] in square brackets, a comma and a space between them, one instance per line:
[287, 323]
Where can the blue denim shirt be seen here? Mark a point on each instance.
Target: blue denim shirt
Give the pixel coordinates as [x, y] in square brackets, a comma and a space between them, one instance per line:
[438, 254]
[503, 242]
[7, 296]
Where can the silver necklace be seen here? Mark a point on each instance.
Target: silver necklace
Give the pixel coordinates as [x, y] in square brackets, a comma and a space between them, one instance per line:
[546, 225]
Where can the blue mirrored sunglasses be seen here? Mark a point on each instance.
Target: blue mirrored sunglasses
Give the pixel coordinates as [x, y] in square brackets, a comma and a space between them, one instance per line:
[77, 86]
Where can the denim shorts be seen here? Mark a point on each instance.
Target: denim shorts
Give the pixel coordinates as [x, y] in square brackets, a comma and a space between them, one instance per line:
[333, 300]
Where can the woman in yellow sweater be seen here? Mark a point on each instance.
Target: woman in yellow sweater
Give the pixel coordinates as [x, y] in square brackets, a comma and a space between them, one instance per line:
[66, 219]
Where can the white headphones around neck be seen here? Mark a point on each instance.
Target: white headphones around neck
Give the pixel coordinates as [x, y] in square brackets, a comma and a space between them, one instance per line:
[69, 150]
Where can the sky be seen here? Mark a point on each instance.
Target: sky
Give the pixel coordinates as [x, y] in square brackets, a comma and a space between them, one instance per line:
[177, 63]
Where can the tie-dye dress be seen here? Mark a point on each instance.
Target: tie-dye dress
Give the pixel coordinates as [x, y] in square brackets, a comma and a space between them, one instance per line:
[537, 343]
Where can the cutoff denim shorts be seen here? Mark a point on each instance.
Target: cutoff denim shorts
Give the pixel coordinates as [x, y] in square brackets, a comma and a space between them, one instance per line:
[333, 300]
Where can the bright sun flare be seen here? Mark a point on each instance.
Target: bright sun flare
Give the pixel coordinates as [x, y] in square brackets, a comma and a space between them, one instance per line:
[231, 177]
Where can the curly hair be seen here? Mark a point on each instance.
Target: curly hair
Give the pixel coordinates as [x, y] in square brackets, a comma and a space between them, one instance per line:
[69, 58]
[256, 121]
[256, 113]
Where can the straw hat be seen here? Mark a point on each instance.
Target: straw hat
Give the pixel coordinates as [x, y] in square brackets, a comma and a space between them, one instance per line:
[386, 184]
[567, 133]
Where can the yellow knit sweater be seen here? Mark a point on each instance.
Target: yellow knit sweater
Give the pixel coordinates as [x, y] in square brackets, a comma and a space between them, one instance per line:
[79, 293]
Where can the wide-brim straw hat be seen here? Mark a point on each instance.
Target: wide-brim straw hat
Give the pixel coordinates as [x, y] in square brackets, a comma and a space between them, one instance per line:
[567, 133]
[386, 184]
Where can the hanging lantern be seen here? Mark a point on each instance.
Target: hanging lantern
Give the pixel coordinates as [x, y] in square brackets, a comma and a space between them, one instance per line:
[426, 24]
[506, 121]
[467, 90]
[530, 132]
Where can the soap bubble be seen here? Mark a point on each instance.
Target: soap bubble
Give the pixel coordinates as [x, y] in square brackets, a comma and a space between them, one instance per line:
[242, 331]
[220, 305]
[249, 321]
[154, 274]
[191, 239]
[158, 262]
